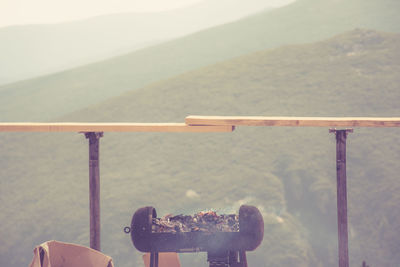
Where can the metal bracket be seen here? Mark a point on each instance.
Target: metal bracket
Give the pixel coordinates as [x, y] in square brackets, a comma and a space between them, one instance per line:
[96, 135]
[335, 131]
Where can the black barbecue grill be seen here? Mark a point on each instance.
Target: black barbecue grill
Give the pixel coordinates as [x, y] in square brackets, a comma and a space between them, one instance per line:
[224, 248]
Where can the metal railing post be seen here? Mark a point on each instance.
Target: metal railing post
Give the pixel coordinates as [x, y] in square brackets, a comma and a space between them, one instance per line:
[94, 188]
[343, 245]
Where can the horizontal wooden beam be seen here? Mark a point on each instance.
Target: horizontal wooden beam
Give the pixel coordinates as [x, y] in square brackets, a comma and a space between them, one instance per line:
[294, 121]
[110, 127]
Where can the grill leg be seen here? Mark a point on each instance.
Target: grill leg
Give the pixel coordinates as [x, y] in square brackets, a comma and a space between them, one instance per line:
[218, 259]
[243, 258]
[154, 259]
[237, 259]
[233, 257]
[151, 259]
[227, 259]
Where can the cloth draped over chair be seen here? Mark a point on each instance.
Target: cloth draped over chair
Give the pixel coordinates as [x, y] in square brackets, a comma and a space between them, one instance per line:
[60, 254]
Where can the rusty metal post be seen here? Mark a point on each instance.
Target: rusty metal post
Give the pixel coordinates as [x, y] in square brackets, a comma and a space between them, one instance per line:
[94, 188]
[343, 245]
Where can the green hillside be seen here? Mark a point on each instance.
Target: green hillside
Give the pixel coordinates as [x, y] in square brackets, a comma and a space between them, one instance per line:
[289, 173]
[304, 21]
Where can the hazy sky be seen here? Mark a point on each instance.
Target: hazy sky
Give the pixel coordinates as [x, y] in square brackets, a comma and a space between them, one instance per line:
[52, 11]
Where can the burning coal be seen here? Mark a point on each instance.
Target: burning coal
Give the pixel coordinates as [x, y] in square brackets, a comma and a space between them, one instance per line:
[208, 222]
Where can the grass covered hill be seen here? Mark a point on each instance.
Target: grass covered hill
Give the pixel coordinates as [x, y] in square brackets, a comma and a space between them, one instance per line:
[303, 21]
[289, 173]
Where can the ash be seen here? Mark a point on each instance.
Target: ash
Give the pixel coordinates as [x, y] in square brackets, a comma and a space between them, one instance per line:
[201, 222]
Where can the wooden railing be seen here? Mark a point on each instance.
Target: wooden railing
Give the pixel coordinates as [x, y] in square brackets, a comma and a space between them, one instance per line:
[204, 124]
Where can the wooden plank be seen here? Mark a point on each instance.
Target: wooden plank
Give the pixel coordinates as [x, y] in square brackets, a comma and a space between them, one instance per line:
[294, 121]
[109, 127]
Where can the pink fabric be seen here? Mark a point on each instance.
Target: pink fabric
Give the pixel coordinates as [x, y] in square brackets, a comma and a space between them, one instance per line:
[59, 254]
[164, 260]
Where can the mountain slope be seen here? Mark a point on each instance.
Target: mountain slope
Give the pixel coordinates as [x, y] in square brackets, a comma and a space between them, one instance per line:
[303, 21]
[33, 50]
[289, 173]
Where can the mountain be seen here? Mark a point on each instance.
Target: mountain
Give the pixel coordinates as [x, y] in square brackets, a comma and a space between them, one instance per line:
[303, 21]
[289, 173]
[31, 50]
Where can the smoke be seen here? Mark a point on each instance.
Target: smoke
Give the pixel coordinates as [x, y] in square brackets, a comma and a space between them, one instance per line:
[271, 214]
[192, 194]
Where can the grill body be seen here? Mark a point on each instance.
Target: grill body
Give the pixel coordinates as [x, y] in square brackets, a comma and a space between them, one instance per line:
[249, 237]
